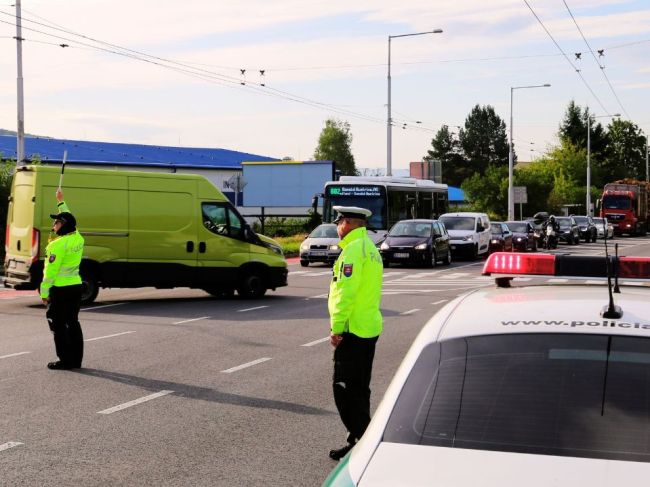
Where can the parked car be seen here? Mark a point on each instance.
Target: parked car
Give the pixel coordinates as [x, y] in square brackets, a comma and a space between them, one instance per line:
[603, 227]
[469, 233]
[321, 245]
[501, 239]
[587, 228]
[569, 230]
[523, 236]
[416, 242]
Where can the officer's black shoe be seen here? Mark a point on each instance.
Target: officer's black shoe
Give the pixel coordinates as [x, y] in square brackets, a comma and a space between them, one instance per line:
[341, 452]
[58, 365]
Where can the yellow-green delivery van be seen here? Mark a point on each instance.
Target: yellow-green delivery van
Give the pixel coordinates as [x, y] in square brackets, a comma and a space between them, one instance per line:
[141, 229]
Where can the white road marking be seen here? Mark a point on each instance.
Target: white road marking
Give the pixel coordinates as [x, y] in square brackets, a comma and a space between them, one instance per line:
[10, 444]
[243, 366]
[389, 274]
[624, 283]
[14, 355]
[134, 402]
[441, 301]
[523, 279]
[319, 296]
[410, 312]
[297, 273]
[102, 306]
[251, 309]
[594, 282]
[108, 336]
[557, 281]
[315, 342]
[190, 320]
[324, 273]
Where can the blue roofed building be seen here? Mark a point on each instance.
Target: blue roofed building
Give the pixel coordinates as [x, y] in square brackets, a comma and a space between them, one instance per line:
[217, 165]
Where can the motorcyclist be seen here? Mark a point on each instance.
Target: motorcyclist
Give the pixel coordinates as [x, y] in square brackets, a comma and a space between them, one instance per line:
[551, 230]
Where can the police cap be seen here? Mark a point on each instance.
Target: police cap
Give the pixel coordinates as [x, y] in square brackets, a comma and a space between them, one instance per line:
[351, 212]
[65, 217]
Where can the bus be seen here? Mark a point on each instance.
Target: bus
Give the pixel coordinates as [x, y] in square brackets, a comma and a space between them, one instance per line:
[389, 198]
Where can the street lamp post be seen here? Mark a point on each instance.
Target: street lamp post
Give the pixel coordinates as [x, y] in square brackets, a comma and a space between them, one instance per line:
[511, 154]
[389, 128]
[588, 202]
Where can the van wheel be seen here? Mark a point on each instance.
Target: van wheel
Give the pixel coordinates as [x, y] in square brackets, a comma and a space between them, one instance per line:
[447, 259]
[89, 288]
[475, 252]
[304, 263]
[251, 286]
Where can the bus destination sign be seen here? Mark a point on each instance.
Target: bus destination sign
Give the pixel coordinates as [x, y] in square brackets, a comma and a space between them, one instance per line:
[365, 191]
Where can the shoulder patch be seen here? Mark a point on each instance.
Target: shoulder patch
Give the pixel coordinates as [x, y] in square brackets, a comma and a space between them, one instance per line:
[347, 270]
[52, 258]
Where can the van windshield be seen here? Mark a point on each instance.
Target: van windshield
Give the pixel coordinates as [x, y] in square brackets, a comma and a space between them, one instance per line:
[459, 222]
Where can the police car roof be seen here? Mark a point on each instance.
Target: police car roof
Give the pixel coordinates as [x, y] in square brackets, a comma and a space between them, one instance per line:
[539, 309]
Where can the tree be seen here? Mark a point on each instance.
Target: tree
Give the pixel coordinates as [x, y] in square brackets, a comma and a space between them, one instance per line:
[489, 192]
[573, 130]
[484, 140]
[334, 145]
[626, 152]
[446, 149]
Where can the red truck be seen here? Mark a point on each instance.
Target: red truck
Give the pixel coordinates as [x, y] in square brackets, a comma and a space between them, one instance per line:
[625, 205]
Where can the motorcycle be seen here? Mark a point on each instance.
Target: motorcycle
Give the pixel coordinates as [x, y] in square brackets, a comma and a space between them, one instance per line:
[550, 237]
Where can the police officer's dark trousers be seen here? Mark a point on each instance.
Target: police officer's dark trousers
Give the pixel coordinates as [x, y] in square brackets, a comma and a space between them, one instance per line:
[63, 319]
[353, 359]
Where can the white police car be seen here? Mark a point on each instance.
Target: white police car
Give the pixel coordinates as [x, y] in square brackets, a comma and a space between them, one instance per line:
[543, 385]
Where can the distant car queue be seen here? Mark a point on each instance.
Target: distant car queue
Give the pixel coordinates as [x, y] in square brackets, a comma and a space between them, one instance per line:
[456, 235]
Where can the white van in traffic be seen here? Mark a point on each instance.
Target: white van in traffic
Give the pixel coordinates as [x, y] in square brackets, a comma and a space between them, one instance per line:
[469, 233]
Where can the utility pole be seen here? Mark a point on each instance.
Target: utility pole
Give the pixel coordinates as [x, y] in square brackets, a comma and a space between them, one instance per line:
[20, 135]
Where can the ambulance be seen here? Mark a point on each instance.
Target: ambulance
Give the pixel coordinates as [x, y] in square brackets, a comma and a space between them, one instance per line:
[141, 229]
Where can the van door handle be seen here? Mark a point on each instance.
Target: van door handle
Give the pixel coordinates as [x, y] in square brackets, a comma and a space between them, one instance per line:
[189, 246]
[202, 247]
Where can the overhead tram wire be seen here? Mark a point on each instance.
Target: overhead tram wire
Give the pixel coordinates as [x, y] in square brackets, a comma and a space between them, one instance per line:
[216, 78]
[593, 55]
[566, 57]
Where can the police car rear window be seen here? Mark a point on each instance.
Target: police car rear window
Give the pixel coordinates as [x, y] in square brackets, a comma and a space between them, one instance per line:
[565, 395]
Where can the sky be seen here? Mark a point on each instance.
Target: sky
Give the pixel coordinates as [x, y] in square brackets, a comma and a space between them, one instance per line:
[169, 73]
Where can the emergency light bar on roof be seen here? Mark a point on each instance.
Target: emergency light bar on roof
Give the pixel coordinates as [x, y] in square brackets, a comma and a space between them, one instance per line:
[506, 264]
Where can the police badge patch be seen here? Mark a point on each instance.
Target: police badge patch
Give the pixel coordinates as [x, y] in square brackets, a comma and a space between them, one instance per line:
[347, 270]
[52, 258]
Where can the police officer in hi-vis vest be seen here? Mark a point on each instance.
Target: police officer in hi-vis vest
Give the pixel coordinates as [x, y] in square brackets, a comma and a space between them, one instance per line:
[355, 320]
[61, 288]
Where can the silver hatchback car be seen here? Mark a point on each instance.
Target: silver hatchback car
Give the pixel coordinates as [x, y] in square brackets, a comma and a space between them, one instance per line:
[321, 245]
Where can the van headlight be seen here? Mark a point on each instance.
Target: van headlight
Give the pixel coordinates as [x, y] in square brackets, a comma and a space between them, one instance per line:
[422, 246]
[467, 238]
[276, 248]
[304, 246]
[334, 247]
[384, 246]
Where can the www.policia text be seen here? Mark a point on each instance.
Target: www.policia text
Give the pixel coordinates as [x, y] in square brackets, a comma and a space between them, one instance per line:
[606, 323]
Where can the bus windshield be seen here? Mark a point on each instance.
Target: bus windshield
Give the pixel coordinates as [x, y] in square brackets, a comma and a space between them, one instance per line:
[371, 197]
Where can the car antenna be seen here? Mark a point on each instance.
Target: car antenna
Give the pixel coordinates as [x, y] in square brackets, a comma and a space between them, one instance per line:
[616, 288]
[610, 310]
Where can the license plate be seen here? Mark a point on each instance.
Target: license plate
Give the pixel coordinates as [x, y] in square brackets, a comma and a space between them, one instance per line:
[401, 255]
[318, 252]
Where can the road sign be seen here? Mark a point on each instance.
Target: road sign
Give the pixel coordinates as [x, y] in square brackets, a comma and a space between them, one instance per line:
[520, 194]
